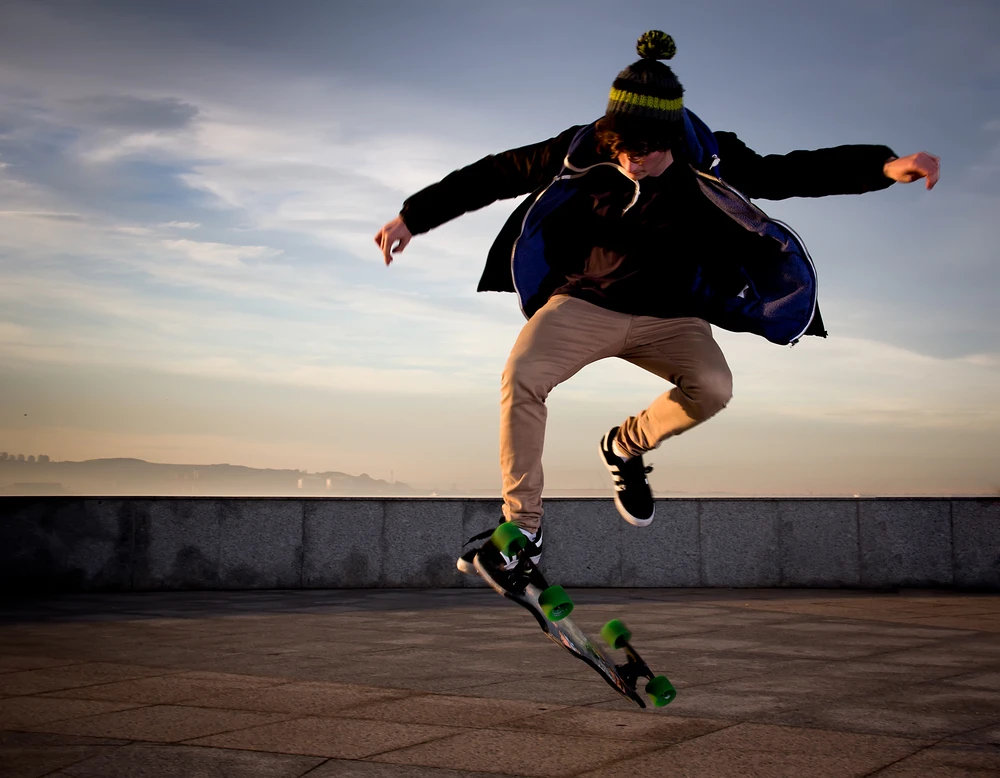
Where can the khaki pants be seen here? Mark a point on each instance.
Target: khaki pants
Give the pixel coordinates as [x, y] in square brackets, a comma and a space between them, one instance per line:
[565, 335]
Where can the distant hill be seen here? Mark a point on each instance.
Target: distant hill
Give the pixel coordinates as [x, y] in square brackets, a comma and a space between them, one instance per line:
[136, 477]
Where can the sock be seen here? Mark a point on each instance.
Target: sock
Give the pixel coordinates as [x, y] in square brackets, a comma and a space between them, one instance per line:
[617, 451]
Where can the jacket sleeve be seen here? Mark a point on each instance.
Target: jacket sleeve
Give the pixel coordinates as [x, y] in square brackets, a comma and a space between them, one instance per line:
[839, 170]
[496, 177]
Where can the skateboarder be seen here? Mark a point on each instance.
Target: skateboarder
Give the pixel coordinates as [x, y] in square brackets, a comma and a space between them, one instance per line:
[638, 235]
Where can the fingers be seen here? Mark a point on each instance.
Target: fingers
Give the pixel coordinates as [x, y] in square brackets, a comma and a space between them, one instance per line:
[392, 238]
[925, 166]
[386, 249]
[385, 239]
[933, 171]
[392, 244]
[382, 241]
[914, 167]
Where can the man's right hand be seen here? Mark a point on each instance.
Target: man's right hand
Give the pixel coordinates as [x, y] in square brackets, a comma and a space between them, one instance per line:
[392, 238]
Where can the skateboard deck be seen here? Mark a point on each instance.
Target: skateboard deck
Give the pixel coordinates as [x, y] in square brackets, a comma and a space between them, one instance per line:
[526, 586]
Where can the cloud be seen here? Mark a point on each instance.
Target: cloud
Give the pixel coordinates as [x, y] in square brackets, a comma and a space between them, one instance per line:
[13, 333]
[220, 254]
[132, 114]
[45, 216]
[135, 296]
[285, 141]
[867, 381]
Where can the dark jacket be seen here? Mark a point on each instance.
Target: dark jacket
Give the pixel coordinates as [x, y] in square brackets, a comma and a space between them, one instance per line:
[754, 273]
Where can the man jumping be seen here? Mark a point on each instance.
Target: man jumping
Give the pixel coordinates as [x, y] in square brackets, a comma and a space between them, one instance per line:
[640, 233]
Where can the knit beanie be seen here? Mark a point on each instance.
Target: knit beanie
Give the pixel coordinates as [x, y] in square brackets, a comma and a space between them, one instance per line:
[647, 91]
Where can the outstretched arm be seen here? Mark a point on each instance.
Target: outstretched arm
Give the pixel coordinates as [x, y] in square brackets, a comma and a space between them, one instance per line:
[819, 173]
[906, 170]
[496, 177]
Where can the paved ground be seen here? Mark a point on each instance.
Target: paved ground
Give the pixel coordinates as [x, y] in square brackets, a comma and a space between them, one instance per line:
[438, 684]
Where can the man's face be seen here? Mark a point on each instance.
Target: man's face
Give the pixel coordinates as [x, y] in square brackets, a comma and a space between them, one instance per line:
[652, 163]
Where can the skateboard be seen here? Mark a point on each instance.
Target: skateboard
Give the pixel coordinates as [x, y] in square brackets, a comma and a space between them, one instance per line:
[551, 606]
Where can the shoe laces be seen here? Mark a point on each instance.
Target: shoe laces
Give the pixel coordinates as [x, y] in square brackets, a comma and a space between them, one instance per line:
[629, 469]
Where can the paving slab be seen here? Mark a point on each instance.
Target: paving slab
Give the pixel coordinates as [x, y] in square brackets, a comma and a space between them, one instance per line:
[528, 753]
[70, 677]
[34, 754]
[946, 760]
[455, 711]
[149, 760]
[343, 768]
[333, 737]
[158, 723]
[161, 689]
[21, 712]
[443, 683]
[766, 752]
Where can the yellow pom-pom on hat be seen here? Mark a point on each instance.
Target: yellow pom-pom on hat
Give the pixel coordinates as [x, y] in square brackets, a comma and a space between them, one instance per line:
[656, 44]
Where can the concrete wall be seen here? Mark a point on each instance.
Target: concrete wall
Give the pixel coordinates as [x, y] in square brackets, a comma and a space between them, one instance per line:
[140, 544]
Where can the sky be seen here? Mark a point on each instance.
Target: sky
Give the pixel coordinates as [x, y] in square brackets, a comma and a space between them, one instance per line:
[189, 190]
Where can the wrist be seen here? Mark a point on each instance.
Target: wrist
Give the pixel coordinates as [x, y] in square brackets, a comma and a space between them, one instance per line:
[885, 166]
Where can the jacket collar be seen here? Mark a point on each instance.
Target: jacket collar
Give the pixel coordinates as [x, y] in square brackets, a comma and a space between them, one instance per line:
[701, 148]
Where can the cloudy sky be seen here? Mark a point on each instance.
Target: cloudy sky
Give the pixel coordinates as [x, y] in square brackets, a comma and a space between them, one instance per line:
[188, 194]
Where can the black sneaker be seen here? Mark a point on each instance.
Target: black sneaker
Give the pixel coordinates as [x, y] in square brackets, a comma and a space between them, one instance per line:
[633, 498]
[465, 561]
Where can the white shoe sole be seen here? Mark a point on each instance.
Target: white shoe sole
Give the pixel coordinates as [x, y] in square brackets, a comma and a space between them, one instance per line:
[630, 518]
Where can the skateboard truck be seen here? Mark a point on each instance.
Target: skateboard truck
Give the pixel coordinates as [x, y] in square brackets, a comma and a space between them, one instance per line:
[634, 668]
[660, 690]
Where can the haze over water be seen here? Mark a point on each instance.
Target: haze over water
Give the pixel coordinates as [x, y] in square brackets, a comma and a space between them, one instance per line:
[188, 194]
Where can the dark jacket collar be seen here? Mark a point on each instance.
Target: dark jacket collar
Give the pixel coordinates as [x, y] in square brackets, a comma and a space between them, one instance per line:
[700, 147]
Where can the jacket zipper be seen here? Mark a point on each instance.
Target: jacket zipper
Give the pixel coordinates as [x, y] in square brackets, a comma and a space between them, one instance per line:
[812, 265]
[577, 172]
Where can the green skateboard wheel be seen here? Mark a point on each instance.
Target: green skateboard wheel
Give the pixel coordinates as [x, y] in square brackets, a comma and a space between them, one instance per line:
[508, 538]
[556, 604]
[661, 691]
[616, 634]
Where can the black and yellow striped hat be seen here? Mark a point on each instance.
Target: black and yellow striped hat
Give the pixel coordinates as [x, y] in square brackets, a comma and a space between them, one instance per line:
[647, 89]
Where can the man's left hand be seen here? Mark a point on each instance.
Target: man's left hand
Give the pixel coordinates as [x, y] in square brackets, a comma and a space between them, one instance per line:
[914, 167]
